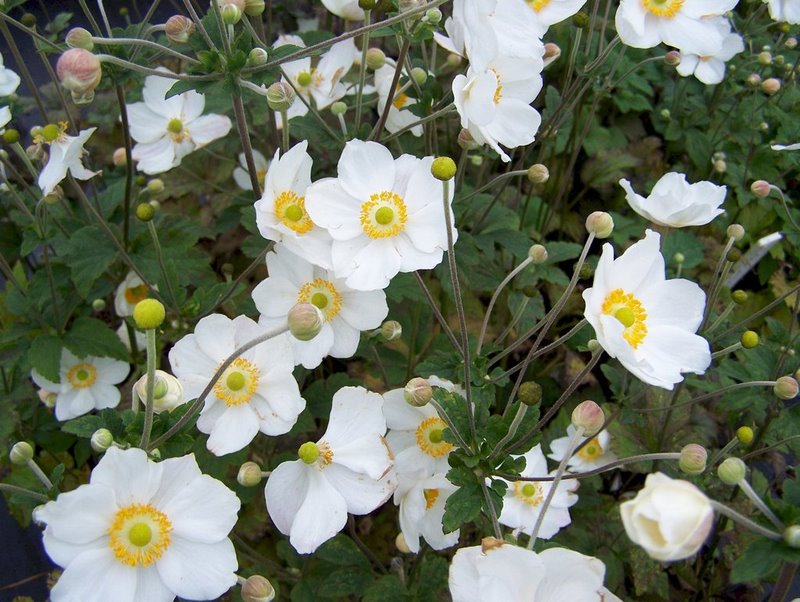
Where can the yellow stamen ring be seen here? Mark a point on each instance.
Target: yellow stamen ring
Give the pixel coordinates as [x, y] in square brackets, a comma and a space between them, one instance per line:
[324, 295]
[429, 437]
[384, 215]
[591, 451]
[538, 5]
[238, 383]
[663, 8]
[139, 535]
[134, 294]
[82, 375]
[630, 312]
[290, 209]
[431, 495]
[529, 493]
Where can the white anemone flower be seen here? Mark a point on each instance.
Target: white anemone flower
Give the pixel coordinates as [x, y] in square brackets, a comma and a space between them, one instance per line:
[5, 116]
[242, 176]
[346, 312]
[385, 215]
[66, 155]
[641, 318]
[494, 104]
[346, 9]
[784, 10]
[9, 80]
[421, 510]
[86, 384]
[550, 12]
[129, 292]
[257, 392]
[675, 203]
[347, 471]
[281, 211]
[786, 147]
[523, 501]
[142, 531]
[684, 24]
[710, 69]
[168, 129]
[167, 392]
[399, 115]
[138, 335]
[595, 454]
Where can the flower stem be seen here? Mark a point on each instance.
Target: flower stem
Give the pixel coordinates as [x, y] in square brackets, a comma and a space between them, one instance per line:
[444, 416]
[716, 283]
[362, 72]
[744, 521]
[126, 133]
[597, 471]
[34, 467]
[145, 43]
[760, 504]
[247, 147]
[492, 512]
[285, 131]
[729, 349]
[493, 300]
[162, 266]
[401, 58]
[436, 312]
[23, 491]
[150, 386]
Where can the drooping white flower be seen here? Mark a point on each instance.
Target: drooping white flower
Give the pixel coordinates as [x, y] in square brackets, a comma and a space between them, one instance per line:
[385, 215]
[168, 129]
[167, 392]
[9, 80]
[66, 155]
[86, 384]
[641, 318]
[242, 177]
[595, 454]
[129, 292]
[784, 10]
[346, 9]
[347, 470]
[550, 12]
[524, 500]
[142, 531]
[676, 203]
[255, 393]
[421, 510]
[399, 114]
[710, 69]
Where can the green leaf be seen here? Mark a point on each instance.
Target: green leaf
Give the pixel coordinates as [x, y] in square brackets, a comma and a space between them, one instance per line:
[45, 356]
[464, 506]
[85, 426]
[89, 336]
[342, 551]
[386, 589]
[759, 561]
[89, 253]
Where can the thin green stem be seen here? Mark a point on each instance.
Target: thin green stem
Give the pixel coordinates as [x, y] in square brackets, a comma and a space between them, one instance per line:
[11, 489]
[498, 533]
[34, 467]
[150, 386]
[748, 490]
[362, 71]
[670, 407]
[145, 44]
[591, 473]
[247, 147]
[729, 349]
[401, 57]
[439, 317]
[126, 134]
[162, 267]
[450, 424]
[744, 521]
[525, 263]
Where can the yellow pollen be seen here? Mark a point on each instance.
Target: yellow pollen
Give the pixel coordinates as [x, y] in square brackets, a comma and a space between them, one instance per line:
[538, 5]
[400, 101]
[81, 376]
[383, 215]
[429, 437]
[663, 8]
[52, 133]
[431, 495]
[498, 91]
[591, 450]
[626, 308]
[325, 454]
[529, 493]
[139, 535]
[134, 294]
[324, 295]
[238, 383]
[290, 209]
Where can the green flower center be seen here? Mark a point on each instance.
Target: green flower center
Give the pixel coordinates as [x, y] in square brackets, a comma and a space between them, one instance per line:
[528, 490]
[140, 534]
[82, 375]
[294, 213]
[51, 132]
[304, 78]
[626, 316]
[384, 216]
[235, 381]
[435, 436]
[320, 300]
[308, 452]
[175, 126]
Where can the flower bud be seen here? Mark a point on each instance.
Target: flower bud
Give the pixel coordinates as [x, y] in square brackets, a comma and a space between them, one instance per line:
[249, 474]
[280, 96]
[590, 416]
[179, 29]
[417, 392]
[693, 459]
[79, 72]
[466, 141]
[367, 4]
[672, 58]
[419, 75]
[257, 57]
[391, 330]
[764, 57]
[28, 19]
[739, 297]
[551, 52]
[305, 321]
[753, 80]
[733, 255]
[119, 158]
[600, 223]
[257, 588]
[145, 212]
[736, 232]
[538, 174]
[433, 16]
[11, 136]
[401, 545]
[580, 20]
[254, 8]
[760, 188]
[339, 108]
[148, 314]
[791, 43]
[454, 60]
[771, 86]
[679, 258]
[745, 435]
[791, 535]
[443, 168]
[155, 186]
[167, 391]
[55, 197]
[749, 339]
[593, 345]
[375, 58]
[530, 393]
[78, 37]
[21, 453]
[720, 166]
[785, 388]
[731, 471]
[537, 254]
[101, 440]
[99, 304]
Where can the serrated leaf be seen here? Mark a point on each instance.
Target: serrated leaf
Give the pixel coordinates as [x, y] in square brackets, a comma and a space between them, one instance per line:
[84, 427]
[342, 551]
[89, 336]
[45, 356]
[463, 506]
[89, 253]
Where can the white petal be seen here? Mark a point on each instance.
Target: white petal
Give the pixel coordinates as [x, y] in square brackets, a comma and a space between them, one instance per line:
[361, 493]
[205, 511]
[129, 473]
[355, 413]
[155, 157]
[233, 430]
[96, 576]
[321, 515]
[80, 516]
[198, 571]
[365, 168]
[285, 491]
[208, 128]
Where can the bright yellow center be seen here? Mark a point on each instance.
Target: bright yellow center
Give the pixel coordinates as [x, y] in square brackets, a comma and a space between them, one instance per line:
[529, 493]
[498, 91]
[324, 295]
[383, 215]
[400, 101]
[429, 437]
[139, 535]
[82, 375]
[537, 5]
[238, 383]
[591, 451]
[290, 209]
[663, 8]
[626, 308]
[431, 495]
[134, 294]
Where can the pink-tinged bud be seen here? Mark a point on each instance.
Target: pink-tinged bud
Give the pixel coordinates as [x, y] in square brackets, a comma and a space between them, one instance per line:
[551, 52]
[600, 223]
[791, 43]
[257, 589]
[693, 459]
[771, 86]
[120, 158]
[305, 321]
[673, 58]
[760, 188]
[418, 392]
[79, 71]
[735, 231]
[240, 4]
[753, 79]
[179, 29]
[466, 141]
[590, 416]
[785, 388]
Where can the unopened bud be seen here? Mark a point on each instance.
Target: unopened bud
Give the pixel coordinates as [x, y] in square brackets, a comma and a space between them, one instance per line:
[375, 58]
[253, 8]
[367, 4]
[600, 224]
[763, 126]
[148, 314]
[48, 398]
[55, 197]
[339, 108]
[785, 388]
[119, 158]
[764, 57]
[739, 297]
[731, 471]
[672, 58]
[537, 254]
[99, 304]
[391, 330]
[101, 440]
[179, 29]
[791, 535]
[580, 20]
[257, 57]
[145, 212]
[780, 59]
[593, 345]
[79, 72]
[21, 453]
[736, 232]
[733, 255]
[590, 416]
[753, 80]
[11, 136]
[433, 16]
[749, 339]
[530, 393]
[443, 168]
[305, 321]
[155, 186]
[454, 60]
[760, 188]
[771, 86]
[167, 391]
[401, 545]
[538, 174]
[280, 96]
[720, 166]
[551, 52]
[745, 435]
[791, 43]
[419, 75]
[693, 459]
[418, 392]
[28, 19]
[78, 37]
[231, 14]
[249, 474]
[257, 588]
[466, 141]
[679, 258]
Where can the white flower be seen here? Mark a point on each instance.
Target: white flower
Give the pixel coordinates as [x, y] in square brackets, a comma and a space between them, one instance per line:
[347, 312]
[789, 147]
[421, 511]
[669, 518]
[641, 318]
[550, 12]
[5, 116]
[242, 177]
[66, 154]
[138, 335]
[710, 69]
[167, 392]
[572, 576]
[595, 454]
[255, 393]
[281, 211]
[494, 104]
[168, 129]
[684, 24]
[9, 81]
[399, 116]
[784, 10]
[347, 470]
[346, 9]
[523, 501]
[86, 384]
[676, 203]
[142, 531]
[129, 292]
[385, 215]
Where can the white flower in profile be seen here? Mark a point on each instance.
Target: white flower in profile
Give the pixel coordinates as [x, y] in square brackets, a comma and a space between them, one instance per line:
[129, 292]
[494, 104]
[281, 211]
[785, 147]
[641, 318]
[168, 129]
[676, 203]
[142, 531]
[784, 10]
[167, 392]
[257, 392]
[66, 155]
[86, 384]
[9, 80]
[347, 471]
[5, 116]
[710, 69]
[523, 501]
[550, 12]
[138, 335]
[346, 9]
[421, 510]
[385, 215]
[399, 115]
[347, 312]
[595, 454]
[242, 177]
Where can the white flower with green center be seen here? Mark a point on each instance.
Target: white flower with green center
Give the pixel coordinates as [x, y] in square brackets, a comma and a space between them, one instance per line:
[784, 10]
[710, 69]
[524, 500]
[142, 531]
[65, 155]
[255, 393]
[641, 318]
[85, 384]
[129, 292]
[168, 129]
[242, 176]
[385, 215]
[421, 510]
[399, 114]
[349, 470]
[676, 203]
[347, 312]
[595, 454]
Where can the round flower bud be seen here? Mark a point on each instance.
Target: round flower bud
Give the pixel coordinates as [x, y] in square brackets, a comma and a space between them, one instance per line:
[141, 180]
[679, 258]
[99, 304]
[21, 453]
[280, 96]
[308, 452]
[417, 392]
[253, 8]
[419, 75]
[257, 588]
[672, 58]
[375, 58]
[305, 321]
[119, 158]
[530, 393]
[257, 56]
[401, 545]
[148, 314]
[537, 254]
[11, 136]
[733, 255]
[551, 51]
[600, 223]
[433, 16]
[780, 59]
[145, 212]
[367, 4]
[764, 57]
[753, 79]
[391, 330]
[791, 535]
[760, 188]
[78, 37]
[720, 166]
[736, 232]
[249, 474]
[101, 440]
[791, 43]
[466, 141]
[749, 339]
[235, 3]
[155, 186]
[771, 86]
[454, 60]
[28, 19]
[48, 398]
[731, 471]
[79, 71]
[179, 29]
[590, 416]
[785, 388]
[580, 20]
[443, 168]
[593, 345]
[745, 435]
[693, 459]
[54, 197]
[538, 174]
[339, 108]
[739, 297]
[231, 14]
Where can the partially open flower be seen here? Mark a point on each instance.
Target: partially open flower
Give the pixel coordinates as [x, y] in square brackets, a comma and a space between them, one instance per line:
[167, 391]
[79, 72]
